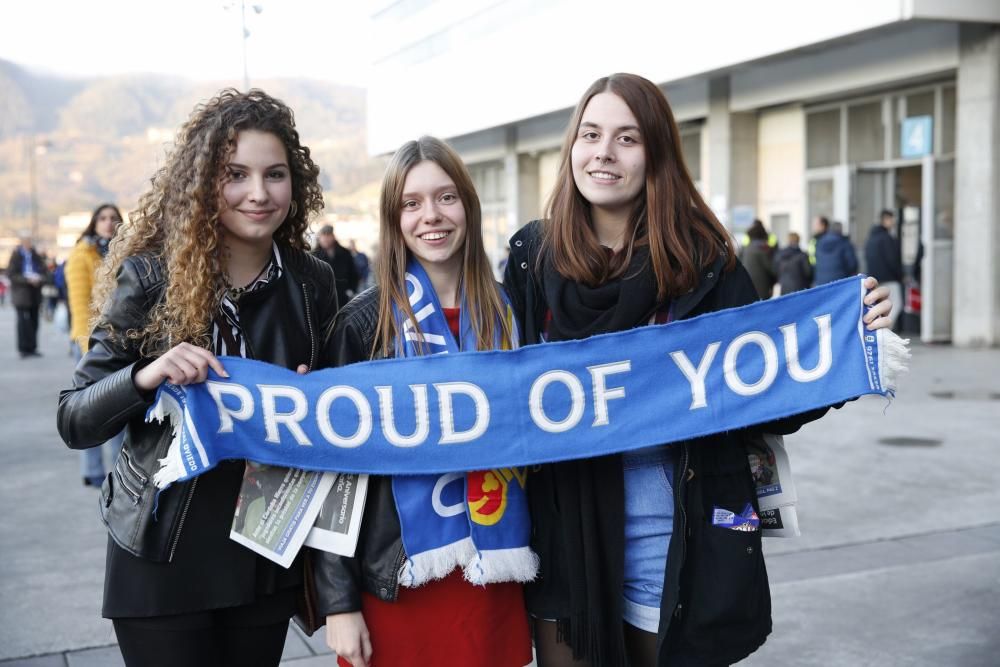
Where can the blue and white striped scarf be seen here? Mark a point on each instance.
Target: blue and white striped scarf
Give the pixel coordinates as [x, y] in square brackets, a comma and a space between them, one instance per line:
[477, 520]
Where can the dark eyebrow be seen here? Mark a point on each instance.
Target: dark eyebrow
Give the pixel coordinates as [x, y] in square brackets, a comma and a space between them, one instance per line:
[623, 128]
[443, 188]
[243, 166]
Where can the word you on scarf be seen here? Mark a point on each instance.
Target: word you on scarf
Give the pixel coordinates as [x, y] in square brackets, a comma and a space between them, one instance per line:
[541, 403]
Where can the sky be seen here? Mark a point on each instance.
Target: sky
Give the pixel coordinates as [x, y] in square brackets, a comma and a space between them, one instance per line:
[196, 39]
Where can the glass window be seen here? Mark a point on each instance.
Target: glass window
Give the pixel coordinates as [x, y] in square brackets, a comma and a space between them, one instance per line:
[865, 133]
[948, 120]
[823, 138]
[944, 199]
[910, 106]
[691, 145]
[820, 193]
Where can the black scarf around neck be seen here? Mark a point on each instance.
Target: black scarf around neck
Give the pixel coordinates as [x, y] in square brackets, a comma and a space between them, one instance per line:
[590, 493]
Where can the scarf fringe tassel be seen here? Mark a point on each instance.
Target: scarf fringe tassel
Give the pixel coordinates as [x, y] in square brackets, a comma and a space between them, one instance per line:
[895, 353]
[479, 568]
[171, 466]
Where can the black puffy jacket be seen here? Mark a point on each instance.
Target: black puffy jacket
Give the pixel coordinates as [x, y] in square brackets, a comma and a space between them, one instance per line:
[716, 606]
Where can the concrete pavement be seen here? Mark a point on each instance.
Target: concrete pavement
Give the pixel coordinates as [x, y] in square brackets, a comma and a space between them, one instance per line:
[898, 564]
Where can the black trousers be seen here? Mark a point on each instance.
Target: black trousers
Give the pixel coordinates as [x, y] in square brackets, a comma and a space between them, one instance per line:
[27, 329]
[249, 636]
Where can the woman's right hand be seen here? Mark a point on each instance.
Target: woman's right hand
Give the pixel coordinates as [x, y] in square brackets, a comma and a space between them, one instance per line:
[182, 364]
[347, 636]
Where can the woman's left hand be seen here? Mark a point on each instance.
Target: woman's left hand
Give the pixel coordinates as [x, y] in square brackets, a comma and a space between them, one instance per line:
[877, 297]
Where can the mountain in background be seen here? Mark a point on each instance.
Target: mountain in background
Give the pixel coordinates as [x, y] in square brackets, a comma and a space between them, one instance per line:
[103, 138]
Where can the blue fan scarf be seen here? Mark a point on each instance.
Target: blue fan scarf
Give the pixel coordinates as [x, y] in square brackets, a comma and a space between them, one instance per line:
[501, 409]
[477, 521]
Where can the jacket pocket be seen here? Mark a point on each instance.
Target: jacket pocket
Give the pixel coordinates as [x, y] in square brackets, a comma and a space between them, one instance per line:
[729, 603]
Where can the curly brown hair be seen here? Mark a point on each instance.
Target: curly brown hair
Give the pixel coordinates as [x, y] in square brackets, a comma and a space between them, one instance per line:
[177, 220]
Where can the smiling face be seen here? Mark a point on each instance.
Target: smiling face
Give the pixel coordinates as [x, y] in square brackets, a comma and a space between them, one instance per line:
[608, 156]
[258, 189]
[432, 217]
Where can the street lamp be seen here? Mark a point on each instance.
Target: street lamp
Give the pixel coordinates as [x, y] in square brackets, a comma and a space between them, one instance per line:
[246, 33]
[36, 148]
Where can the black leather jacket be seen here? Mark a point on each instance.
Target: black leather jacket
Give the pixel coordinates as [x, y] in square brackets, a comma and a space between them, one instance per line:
[716, 606]
[379, 556]
[287, 323]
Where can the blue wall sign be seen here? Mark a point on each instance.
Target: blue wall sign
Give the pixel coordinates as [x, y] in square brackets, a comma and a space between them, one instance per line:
[916, 137]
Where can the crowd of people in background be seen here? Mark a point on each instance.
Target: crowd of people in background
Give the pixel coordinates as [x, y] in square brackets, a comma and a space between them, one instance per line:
[830, 256]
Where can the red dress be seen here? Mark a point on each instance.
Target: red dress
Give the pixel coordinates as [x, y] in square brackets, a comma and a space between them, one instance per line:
[449, 621]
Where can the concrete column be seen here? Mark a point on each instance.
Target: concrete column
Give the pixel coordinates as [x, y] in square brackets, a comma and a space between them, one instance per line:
[732, 159]
[976, 315]
[718, 148]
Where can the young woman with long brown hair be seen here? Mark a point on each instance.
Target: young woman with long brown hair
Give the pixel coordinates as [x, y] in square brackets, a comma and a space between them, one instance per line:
[628, 241]
[394, 602]
[212, 263]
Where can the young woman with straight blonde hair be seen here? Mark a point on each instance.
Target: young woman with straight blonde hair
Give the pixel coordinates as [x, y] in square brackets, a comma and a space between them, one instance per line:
[397, 602]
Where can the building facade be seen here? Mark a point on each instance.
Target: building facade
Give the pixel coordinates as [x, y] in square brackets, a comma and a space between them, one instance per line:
[788, 110]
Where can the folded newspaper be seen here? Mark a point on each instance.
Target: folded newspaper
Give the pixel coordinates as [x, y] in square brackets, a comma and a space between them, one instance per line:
[776, 495]
[278, 510]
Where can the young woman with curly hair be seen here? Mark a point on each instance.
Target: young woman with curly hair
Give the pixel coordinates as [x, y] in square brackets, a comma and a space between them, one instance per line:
[395, 602]
[212, 263]
[628, 241]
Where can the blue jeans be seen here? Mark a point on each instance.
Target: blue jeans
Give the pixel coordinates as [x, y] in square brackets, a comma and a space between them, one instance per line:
[649, 523]
[92, 460]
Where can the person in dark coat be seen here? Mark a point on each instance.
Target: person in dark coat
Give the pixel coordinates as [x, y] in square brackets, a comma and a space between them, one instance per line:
[758, 259]
[27, 273]
[627, 238]
[835, 257]
[342, 262]
[883, 259]
[792, 267]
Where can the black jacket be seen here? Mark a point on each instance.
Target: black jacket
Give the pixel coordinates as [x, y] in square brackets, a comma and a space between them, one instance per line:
[716, 605]
[883, 260]
[286, 323]
[379, 555]
[344, 269]
[758, 259]
[23, 294]
[793, 269]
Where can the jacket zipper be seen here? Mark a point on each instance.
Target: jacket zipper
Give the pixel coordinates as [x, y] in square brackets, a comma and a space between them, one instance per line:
[128, 489]
[684, 536]
[180, 525]
[309, 326]
[135, 471]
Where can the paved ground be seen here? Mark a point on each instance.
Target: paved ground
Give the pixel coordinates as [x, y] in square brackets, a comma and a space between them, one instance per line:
[898, 564]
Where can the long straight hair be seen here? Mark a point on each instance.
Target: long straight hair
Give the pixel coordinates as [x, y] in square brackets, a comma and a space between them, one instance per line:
[669, 214]
[487, 311]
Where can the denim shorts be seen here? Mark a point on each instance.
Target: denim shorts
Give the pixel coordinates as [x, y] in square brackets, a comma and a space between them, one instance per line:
[649, 522]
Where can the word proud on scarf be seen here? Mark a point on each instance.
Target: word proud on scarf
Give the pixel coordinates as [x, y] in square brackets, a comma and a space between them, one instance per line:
[485, 410]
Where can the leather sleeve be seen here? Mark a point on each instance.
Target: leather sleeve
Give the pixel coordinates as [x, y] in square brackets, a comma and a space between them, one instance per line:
[104, 398]
[338, 578]
[338, 583]
[329, 306]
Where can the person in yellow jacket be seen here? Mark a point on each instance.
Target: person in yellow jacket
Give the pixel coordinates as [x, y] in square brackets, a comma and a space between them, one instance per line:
[81, 273]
